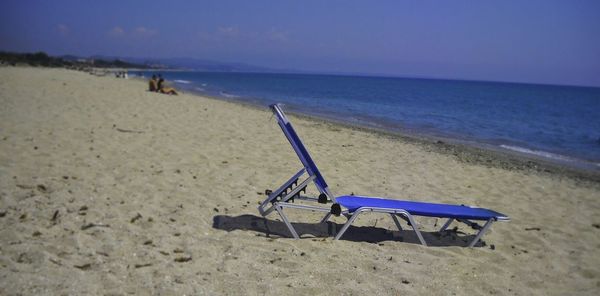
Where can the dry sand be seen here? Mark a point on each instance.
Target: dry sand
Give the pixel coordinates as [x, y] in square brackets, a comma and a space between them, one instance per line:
[106, 188]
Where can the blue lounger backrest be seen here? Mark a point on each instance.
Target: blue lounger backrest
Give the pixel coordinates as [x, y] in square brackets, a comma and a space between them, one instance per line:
[298, 146]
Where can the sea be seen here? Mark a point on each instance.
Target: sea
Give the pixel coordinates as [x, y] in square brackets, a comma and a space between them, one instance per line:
[552, 122]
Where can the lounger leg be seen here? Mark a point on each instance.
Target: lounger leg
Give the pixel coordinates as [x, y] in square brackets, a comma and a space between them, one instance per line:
[414, 226]
[348, 223]
[481, 232]
[286, 221]
[446, 224]
[325, 218]
[396, 221]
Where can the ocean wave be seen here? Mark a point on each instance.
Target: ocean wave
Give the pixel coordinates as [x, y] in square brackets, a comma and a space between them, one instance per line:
[228, 95]
[199, 88]
[182, 81]
[539, 153]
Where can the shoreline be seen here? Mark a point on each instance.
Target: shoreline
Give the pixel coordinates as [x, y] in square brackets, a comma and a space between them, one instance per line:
[554, 146]
[490, 156]
[466, 151]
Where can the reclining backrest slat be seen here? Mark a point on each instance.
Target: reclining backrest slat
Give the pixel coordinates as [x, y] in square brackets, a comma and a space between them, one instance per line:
[299, 148]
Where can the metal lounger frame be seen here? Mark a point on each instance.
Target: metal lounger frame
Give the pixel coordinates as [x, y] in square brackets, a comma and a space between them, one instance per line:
[271, 203]
[268, 206]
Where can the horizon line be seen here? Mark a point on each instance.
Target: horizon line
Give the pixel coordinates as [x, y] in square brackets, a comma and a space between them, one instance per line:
[268, 69]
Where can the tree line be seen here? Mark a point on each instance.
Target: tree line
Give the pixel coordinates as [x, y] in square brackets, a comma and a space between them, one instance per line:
[42, 59]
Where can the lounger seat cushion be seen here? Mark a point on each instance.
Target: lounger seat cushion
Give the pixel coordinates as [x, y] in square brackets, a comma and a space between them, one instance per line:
[353, 203]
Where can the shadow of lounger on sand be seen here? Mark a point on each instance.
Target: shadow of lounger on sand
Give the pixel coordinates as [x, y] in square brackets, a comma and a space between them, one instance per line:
[278, 229]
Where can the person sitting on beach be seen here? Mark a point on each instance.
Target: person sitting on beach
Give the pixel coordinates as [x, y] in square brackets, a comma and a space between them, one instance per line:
[159, 83]
[153, 84]
[165, 90]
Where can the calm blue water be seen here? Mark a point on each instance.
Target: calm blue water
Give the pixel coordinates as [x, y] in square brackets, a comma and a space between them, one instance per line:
[559, 122]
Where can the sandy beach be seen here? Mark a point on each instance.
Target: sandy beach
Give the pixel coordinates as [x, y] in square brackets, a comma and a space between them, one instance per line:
[108, 189]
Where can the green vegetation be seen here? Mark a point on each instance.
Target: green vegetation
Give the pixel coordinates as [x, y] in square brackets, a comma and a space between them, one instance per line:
[41, 59]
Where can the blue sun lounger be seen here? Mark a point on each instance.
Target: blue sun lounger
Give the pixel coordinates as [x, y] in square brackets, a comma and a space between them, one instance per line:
[352, 206]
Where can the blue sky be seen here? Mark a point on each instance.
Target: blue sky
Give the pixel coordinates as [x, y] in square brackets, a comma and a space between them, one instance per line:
[554, 42]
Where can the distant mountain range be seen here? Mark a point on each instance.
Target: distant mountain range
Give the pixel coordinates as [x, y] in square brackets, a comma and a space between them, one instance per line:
[183, 64]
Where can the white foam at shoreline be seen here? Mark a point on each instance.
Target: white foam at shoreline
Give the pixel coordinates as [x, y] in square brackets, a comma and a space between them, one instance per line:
[228, 95]
[182, 81]
[539, 153]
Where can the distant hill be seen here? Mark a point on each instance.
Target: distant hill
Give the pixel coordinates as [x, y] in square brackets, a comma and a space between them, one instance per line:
[42, 59]
[102, 61]
[32, 59]
[192, 64]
